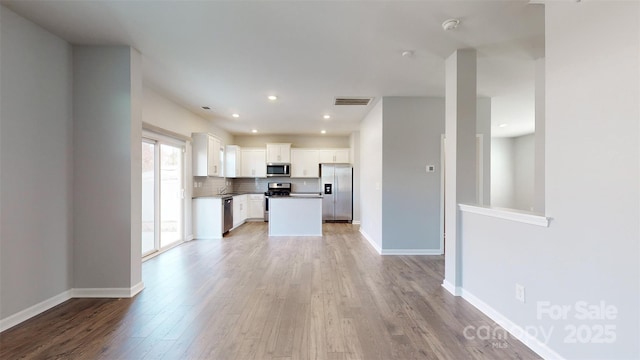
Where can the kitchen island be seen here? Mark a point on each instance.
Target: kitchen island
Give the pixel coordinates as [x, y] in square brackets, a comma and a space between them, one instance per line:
[295, 215]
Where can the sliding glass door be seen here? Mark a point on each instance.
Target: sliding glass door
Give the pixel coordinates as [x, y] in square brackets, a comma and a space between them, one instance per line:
[149, 200]
[162, 194]
[171, 194]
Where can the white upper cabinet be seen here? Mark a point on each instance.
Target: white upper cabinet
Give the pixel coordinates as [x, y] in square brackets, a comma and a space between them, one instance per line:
[334, 156]
[253, 163]
[278, 153]
[304, 163]
[233, 161]
[207, 150]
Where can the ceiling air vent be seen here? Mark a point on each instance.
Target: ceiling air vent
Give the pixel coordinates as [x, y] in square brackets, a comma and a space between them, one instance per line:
[352, 101]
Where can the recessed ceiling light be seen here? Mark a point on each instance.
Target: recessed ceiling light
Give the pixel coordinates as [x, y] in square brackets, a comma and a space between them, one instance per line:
[327, 116]
[272, 97]
[206, 108]
[450, 24]
[503, 125]
[235, 115]
[254, 131]
[323, 132]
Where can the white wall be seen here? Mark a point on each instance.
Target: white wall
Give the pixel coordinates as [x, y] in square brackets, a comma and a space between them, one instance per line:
[502, 173]
[107, 171]
[524, 168]
[298, 141]
[36, 161]
[539, 168]
[354, 143]
[591, 250]
[513, 172]
[135, 167]
[412, 128]
[158, 110]
[371, 176]
[483, 128]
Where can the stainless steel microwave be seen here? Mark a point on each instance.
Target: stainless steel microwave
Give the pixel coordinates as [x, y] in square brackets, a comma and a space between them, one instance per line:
[278, 169]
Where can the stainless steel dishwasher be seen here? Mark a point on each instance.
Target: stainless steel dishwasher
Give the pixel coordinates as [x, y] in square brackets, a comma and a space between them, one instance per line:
[227, 211]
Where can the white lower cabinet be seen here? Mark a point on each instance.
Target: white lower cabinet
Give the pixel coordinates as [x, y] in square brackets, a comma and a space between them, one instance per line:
[246, 207]
[239, 210]
[207, 217]
[256, 206]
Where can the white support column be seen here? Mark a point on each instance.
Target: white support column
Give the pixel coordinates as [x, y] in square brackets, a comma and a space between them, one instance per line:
[107, 123]
[483, 131]
[460, 158]
[538, 194]
[135, 74]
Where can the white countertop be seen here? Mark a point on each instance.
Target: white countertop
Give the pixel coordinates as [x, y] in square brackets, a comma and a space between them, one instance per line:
[305, 195]
[220, 196]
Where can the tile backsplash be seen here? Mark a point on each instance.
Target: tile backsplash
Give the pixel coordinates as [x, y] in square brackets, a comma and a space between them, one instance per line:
[211, 185]
[260, 185]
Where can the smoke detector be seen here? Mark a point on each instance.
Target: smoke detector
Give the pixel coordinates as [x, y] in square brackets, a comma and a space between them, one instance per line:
[407, 53]
[450, 24]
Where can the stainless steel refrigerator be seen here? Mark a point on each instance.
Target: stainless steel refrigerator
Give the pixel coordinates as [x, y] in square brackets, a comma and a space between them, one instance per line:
[337, 188]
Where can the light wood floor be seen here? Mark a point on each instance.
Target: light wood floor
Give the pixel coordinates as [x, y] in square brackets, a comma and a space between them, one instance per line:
[253, 297]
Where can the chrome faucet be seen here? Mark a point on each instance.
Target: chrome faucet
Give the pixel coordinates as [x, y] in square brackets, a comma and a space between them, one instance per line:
[222, 190]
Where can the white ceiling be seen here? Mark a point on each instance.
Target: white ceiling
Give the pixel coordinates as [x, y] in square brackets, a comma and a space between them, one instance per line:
[230, 55]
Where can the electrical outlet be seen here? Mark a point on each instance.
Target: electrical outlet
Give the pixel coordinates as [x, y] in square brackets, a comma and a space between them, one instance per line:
[520, 292]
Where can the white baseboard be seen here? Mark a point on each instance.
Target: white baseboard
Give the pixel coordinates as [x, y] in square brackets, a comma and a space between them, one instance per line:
[516, 331]
[411, 252]
[381, 251]
[371, 242]
[455, 291]
[208, 238]
[108, 292]
[34, 310]
[355, 222]
[190, 237]
[135, 289]
[51, 302]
